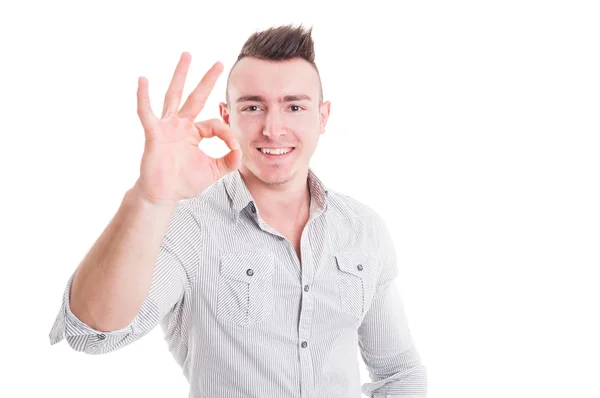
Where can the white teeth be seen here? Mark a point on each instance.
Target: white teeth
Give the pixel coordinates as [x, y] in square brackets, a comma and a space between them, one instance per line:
[276, 151]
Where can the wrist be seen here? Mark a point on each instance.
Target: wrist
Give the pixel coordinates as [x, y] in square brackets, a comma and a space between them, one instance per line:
[138, 196]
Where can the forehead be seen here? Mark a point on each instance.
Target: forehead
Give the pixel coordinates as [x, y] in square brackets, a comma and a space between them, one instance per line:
[272, 79]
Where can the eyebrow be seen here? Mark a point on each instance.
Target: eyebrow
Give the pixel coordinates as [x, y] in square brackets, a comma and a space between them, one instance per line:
[287, 98]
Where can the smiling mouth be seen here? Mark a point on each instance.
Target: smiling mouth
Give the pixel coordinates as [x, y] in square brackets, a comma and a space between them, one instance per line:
[276, 151]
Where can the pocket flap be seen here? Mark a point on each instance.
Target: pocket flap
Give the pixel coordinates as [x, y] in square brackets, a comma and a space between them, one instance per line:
[355, 263]
[247, 266]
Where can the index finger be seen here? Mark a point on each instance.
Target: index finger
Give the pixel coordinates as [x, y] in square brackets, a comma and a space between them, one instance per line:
[216, 128]
[196, 100]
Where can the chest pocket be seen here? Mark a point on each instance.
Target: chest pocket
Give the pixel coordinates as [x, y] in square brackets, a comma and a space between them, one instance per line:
[245, 294]
[354, 271]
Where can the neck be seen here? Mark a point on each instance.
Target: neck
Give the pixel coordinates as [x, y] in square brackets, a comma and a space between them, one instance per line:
[287, 201]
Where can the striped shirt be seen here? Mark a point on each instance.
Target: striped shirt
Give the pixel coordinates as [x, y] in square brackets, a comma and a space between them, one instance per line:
[244, 317]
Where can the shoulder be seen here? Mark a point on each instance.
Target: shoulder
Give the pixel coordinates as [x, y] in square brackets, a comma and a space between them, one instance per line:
[355, 222]
[346, 206]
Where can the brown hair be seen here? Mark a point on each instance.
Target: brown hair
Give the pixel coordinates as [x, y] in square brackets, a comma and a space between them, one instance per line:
[280, 43]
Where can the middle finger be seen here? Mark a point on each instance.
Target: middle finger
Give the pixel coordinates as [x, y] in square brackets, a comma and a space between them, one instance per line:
[175, 91]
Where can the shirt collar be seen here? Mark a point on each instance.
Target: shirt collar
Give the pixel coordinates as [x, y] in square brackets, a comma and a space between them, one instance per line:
[240, 196]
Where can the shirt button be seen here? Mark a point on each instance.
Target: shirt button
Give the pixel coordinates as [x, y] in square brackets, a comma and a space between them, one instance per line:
[101, 336]
[280, 238]
[250, 272]
[306, 288]
[304, 344]
[360, 267]
[253, 208]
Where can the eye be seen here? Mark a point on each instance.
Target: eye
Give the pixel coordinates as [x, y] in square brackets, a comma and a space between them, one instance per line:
[295, 108]
[251, 108]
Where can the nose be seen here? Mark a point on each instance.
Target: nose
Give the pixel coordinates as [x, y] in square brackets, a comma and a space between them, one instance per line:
[274, 126]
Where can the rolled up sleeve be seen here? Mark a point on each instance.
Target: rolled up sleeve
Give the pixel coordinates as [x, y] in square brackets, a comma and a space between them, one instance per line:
[385, 341]
[175, 266]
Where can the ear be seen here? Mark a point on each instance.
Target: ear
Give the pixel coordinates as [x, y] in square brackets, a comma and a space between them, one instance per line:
[324, 110]
[224, 112]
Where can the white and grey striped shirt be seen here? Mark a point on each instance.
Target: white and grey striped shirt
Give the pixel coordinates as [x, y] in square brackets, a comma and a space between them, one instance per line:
[244, 317]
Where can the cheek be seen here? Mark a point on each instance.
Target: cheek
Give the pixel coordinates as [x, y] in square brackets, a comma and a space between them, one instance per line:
[247, 122]
[305, 125]
[246, 128]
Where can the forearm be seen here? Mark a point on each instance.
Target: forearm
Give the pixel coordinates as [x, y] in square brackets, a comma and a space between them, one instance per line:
[115, 276]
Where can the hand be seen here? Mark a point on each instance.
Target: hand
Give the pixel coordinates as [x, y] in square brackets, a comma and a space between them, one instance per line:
[173, 168]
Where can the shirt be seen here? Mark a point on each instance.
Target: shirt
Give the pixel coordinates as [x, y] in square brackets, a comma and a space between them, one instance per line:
[244, 317]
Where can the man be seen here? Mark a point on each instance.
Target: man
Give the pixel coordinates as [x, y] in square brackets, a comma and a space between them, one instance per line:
[264, 281]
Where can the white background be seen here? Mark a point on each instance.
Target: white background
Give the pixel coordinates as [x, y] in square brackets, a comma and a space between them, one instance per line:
[473, 127]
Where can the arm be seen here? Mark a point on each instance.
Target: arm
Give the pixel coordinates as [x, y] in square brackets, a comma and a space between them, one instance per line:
[385, 342]
[135, 274]
[114, 278]
[132, 277]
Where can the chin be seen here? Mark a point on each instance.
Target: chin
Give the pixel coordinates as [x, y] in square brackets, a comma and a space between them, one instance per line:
[274, 175]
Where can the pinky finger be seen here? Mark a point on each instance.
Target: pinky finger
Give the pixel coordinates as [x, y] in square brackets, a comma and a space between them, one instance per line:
[144, 110]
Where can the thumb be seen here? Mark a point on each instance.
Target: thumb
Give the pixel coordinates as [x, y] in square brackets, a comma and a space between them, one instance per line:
[228, 163]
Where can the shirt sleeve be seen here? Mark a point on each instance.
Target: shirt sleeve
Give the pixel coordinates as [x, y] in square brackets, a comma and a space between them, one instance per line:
[174, 271]
[385, 341]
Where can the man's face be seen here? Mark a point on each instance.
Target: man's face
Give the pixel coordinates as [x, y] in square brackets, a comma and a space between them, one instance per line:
[274, 107]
